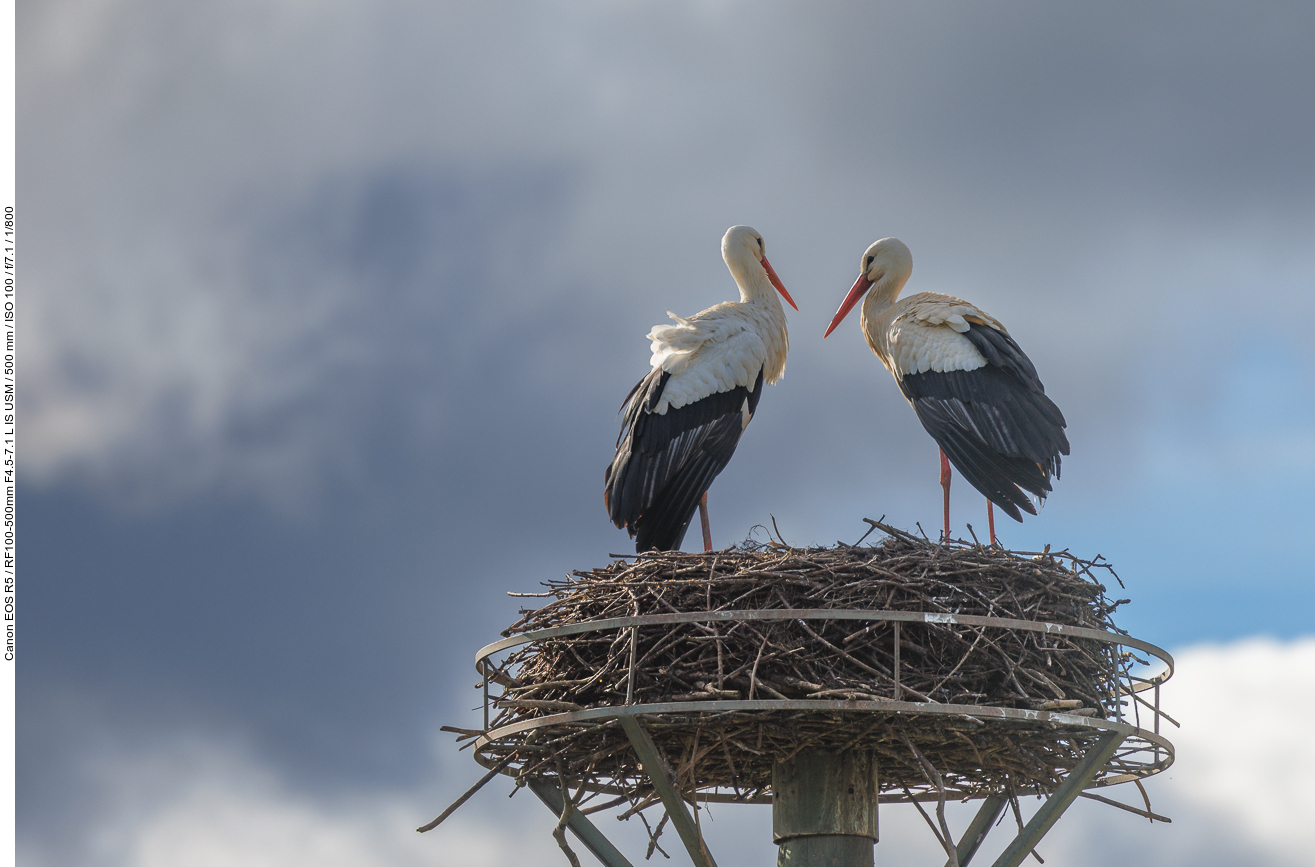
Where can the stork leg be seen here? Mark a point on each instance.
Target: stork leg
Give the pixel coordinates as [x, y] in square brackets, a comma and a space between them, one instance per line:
[990, 518]
[703, 518]
[945, 486]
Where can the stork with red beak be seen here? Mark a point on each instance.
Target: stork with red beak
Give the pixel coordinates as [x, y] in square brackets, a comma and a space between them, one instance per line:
[683, 420]
[973, 388]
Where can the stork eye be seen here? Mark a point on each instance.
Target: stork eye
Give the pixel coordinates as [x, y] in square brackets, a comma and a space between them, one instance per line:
[760, 244]
[868, 263]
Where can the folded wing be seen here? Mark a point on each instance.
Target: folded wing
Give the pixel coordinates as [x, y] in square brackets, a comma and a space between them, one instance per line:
[985, 407]
[667, 456]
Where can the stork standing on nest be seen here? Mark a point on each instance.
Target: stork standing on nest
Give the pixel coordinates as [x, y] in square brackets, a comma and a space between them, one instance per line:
[682, 422]
[972, 386]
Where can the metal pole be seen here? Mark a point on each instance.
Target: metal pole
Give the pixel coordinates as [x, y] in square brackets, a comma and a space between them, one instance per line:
[824, 809]
[1157, 721]
[897, 693]
[986, 817]
[651, 759]
[1091, 765]
[583, 829]
[630, 675]
[1118, 685]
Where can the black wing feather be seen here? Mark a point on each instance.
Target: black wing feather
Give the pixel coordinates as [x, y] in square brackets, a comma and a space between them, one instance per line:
[995, 423]
[665, 463]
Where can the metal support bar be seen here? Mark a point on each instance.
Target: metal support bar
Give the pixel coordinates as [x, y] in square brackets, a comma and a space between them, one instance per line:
[584, 830]
[1091, 765]
[986, 817]
[1157, 721]
[1118, 683]
[671, 799]
[897, 663]
[630, 677]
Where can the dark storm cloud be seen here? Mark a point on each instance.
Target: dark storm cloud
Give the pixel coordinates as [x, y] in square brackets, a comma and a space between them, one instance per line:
[1026, 152]
[1166, 105]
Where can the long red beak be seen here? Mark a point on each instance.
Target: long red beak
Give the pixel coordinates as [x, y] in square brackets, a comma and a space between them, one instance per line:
[861, 286]
[776, 281]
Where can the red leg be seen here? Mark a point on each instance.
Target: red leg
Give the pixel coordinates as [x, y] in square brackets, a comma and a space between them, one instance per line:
[945, 485]
[990, 519]
[703, 517]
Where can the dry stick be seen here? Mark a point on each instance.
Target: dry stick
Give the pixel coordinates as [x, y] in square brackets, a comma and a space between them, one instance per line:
[753, 674]
[735, 778]
[1145, 797]
[469, 792]
[640, 806]
[630, 674]
[694, 756]
[698, 826]
[653, 839]
[803, 745]
[946, 845]
[634, 652]
[969, 741]
[1018, 817]
[1152, 707]
[746, 666]
[721, 675]
[934, 778]
[1153, 817]
[559, 832]
[854, 742]
[606, 805]
[860, 663]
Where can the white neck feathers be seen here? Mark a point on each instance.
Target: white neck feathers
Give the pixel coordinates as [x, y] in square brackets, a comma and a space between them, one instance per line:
[752, 280]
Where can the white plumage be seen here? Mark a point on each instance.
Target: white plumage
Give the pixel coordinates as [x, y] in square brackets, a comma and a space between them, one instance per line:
[723, 347]
[973, 388]
[926, 335]
[683, 421]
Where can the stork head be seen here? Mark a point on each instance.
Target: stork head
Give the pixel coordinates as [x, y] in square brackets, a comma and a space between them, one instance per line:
[887, 265]
[744, 251]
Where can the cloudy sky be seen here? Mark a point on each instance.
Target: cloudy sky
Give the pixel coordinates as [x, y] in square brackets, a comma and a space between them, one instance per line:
[330, 306]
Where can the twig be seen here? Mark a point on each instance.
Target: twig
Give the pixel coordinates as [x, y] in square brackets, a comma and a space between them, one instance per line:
[934, 778]
[568, 804]
[653, 839]
[429, 826]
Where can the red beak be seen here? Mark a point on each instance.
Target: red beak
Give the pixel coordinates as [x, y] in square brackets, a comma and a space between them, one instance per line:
[776, 281]
[861, 286]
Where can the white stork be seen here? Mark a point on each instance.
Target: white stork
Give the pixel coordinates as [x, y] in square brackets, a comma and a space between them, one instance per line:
[974, 390]
[683, 420]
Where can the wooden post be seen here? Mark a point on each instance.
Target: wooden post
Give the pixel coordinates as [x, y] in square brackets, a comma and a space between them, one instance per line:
[824, 809]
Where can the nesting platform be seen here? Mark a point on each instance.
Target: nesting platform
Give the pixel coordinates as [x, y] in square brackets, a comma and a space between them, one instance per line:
[966, 671]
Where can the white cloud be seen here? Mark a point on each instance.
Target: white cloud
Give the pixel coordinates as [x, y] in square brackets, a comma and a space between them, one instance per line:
[203, 804]
[1239, 785]
[1245, 755]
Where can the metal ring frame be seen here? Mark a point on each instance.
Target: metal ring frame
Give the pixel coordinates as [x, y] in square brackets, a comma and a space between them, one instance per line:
[1128, 684]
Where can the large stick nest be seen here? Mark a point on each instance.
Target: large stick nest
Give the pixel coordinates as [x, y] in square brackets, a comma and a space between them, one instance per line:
[817, 659]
